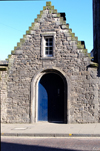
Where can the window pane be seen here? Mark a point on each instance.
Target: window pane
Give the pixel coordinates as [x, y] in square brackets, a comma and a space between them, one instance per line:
[46, 40]
[46, 52]
[46, 44]
[50, 52]
[50, 44]
[50, 39]
[50, 48]
[46, 48]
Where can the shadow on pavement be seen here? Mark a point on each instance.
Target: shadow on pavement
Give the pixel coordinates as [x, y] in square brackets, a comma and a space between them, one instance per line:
[21, 147]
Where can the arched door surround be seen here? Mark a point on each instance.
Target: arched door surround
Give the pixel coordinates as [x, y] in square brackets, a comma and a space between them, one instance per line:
[34, 92]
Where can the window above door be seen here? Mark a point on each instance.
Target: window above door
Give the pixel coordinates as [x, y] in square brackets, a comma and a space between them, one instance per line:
[48, 45]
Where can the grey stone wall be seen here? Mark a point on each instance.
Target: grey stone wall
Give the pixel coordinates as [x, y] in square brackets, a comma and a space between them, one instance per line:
[71, 57]
[99, 100]
[3, 95]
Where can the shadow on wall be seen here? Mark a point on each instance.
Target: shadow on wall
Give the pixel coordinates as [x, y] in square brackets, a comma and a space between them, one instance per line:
[20, 147]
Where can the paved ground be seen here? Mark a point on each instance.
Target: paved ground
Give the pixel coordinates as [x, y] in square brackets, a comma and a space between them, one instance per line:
[45, 129]
[50, 144]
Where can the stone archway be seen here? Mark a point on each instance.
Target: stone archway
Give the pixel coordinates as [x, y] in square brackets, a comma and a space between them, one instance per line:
[34, 93]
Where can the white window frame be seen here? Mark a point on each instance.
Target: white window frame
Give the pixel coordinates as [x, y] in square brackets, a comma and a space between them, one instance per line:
[43, 37]
[48, 47]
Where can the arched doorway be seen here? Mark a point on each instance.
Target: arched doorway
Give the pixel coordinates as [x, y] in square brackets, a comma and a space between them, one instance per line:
[51, 98]
[56, 76]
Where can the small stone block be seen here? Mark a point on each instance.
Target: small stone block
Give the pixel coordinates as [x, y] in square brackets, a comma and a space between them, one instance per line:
[24, 36]
[44, 7]
[15, 48]
[84, 50]
[32, 32]
[64, 27]
[48, 3]
[12, 52]
[18, 44]
[9, 56]
[70, 30]
[22, 40]
[18, 52]
[67, 25]
[80, 46]
[85, 59]
[50, 7]
[61, 19]
[73, 34]
[38, 16]
[41, 12]
[27, 32]
[55, 11]
[30, 28]
[33, 24]
[36, 20]
[58, 14]
[76, 38]
[79, 42]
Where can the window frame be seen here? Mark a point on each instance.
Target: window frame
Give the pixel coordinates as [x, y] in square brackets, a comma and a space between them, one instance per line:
[48, 46]
[43, 37]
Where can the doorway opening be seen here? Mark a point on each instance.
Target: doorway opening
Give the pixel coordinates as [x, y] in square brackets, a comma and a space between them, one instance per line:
[51, 99]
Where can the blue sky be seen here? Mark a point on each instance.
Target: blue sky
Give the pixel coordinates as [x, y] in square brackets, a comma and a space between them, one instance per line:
[17, 16]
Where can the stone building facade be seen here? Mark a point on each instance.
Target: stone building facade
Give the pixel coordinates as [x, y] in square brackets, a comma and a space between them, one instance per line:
[49, 54]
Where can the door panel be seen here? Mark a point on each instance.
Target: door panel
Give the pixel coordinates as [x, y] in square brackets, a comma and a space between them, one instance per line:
[54, 87]
[42, 103]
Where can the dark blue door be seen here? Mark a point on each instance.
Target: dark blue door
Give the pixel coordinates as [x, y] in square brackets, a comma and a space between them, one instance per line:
[42, 103]
[51, 98]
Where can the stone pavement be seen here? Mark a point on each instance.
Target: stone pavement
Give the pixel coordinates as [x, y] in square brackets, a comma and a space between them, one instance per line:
[45, 129]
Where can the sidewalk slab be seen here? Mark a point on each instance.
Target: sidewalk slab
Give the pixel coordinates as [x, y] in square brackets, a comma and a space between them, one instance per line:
[45, 129]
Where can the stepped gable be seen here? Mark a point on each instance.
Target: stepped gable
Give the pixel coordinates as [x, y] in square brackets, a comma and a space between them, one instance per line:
[59, 19]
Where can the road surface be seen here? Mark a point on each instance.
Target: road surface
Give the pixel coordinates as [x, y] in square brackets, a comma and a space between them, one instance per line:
[49, 144]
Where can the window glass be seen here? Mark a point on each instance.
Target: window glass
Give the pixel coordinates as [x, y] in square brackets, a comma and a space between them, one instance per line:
[48, 46]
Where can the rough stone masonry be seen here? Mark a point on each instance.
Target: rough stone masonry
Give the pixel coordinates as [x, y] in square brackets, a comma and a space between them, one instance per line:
[70, 59]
